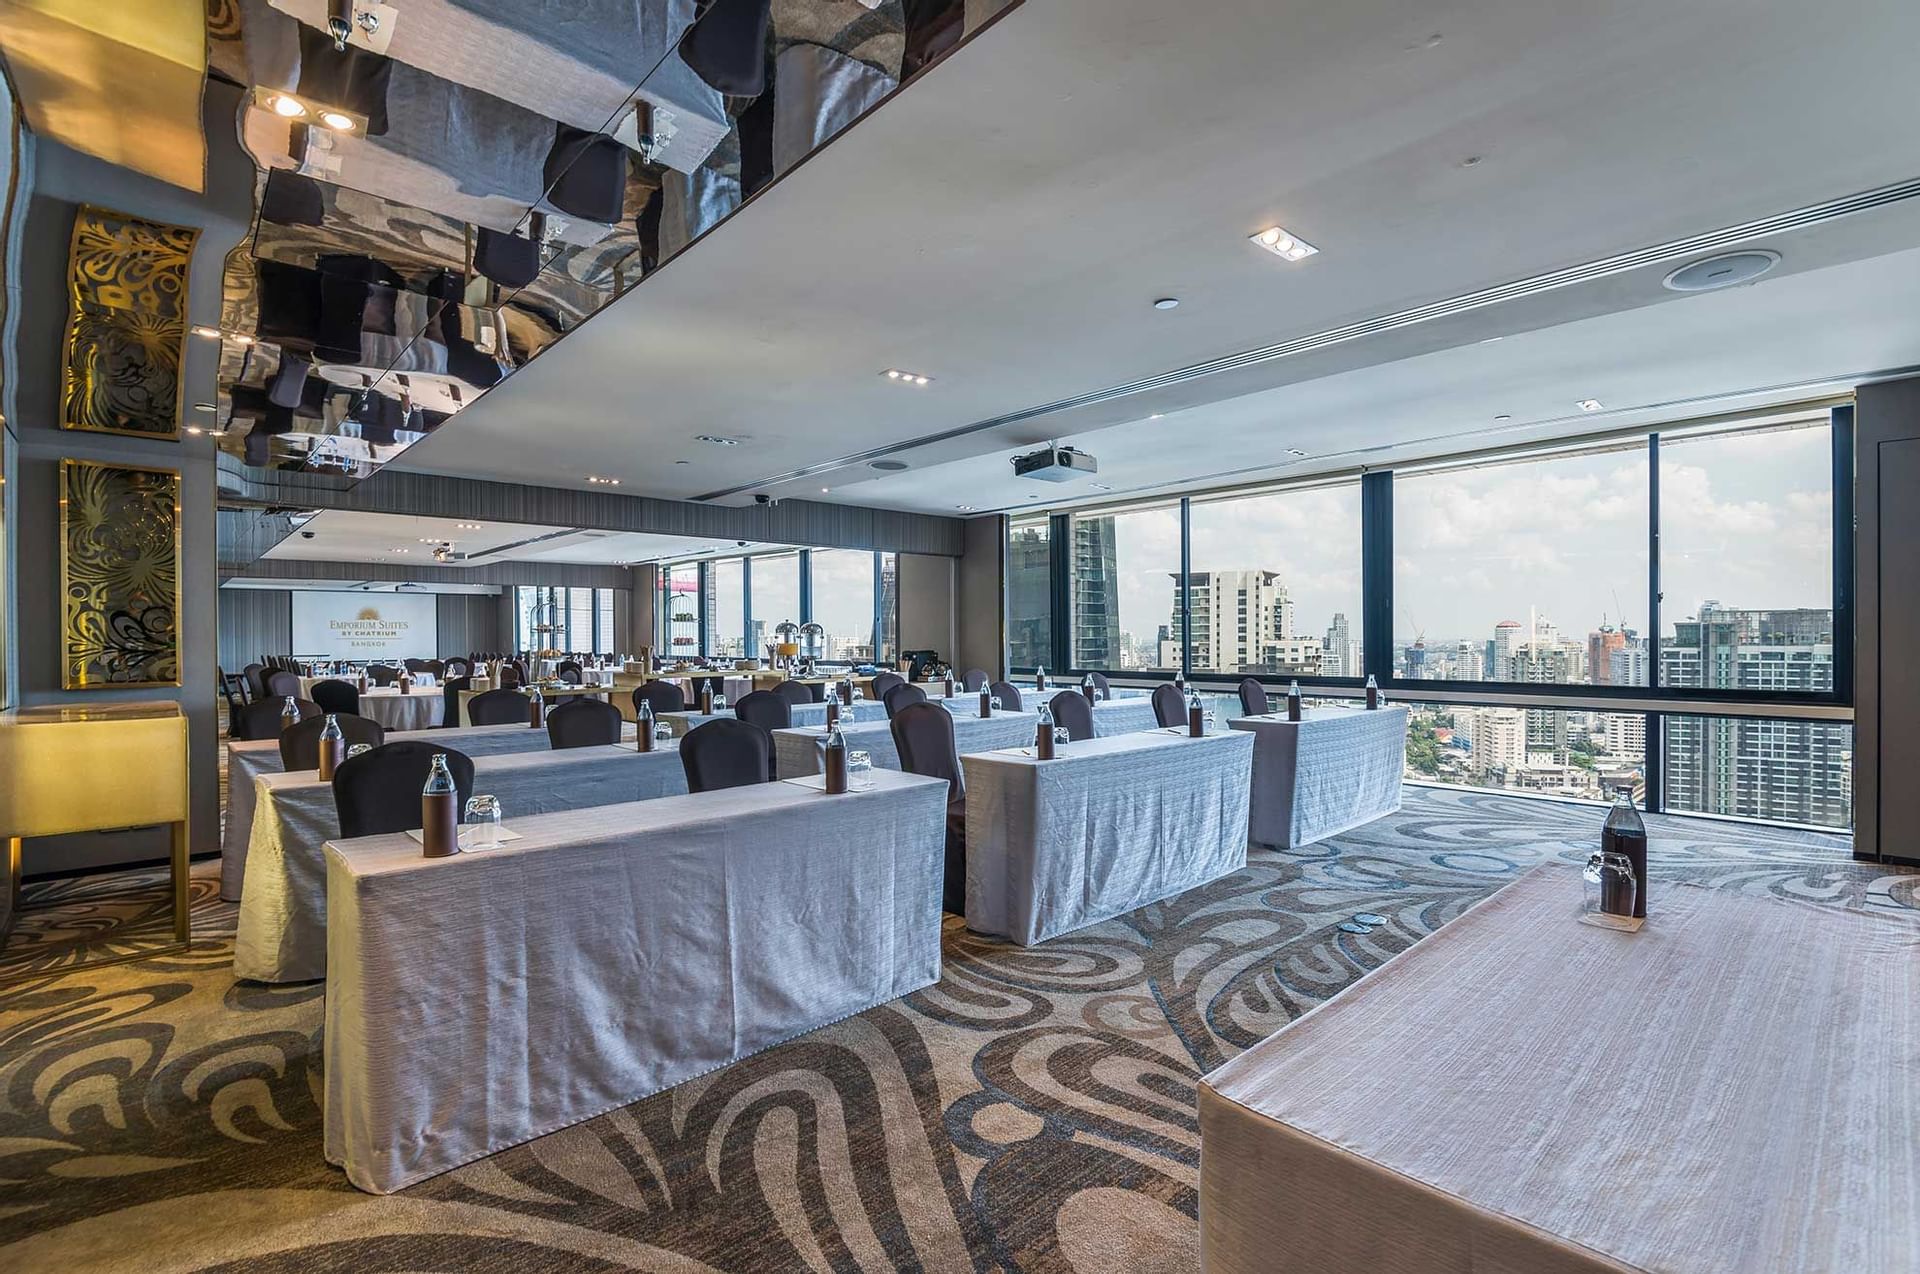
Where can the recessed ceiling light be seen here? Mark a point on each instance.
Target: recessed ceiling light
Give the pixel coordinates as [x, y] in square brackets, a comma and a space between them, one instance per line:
[1283, 243]
[287, 107]
[1100, 486]
[1295, 451]
[683, 462]
[195, 430]
[964, 508]
[240, 338]
[1589, 404]
[336, 120]
[887, 466]
[1156, 415]
[401, 550]
[597, 480]
[716, 440]
[204, 407]
[467, 526]
[906, 378]
[823, 490]
[211, 333]
[1167, 303]
[1491, 340]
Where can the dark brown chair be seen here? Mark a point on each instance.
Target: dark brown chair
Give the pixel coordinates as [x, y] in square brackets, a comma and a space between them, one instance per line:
[256, 679]
[795, 692]
[885, 681]
[976, 680]
[662, 696]
[300, 746]
[583, 723]
[450, 695]
[262, 720]
[459, 666]
[726, 752]
[1100, 685]
[1253, 697]
[281, 683]
[1071, 709]
[1169, 708]
[334, 695]
[379, 791]
[568, 671]
[1007, 693]
[923, 736]
[902, 695]
[381, 675]
[498, 707]
[414, 665]
[768, 711]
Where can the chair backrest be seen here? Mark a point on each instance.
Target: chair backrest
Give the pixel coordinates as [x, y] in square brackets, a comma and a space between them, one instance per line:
[256, 679]
[1169, 709]
[334, 695]
[450, 695]
[885, 681]
[381, 675]
[1253, 697]
[583, 723]
[435, 668]
[976, 679]
[414, 665]
[300, 746]
[497, 707]
[281, 683]
[568, 671]
[1071, 709]
[664, 696]
[725, 752]
[459, 666]
[1100, 684]
[234, 687]
[379, 791]
[923, 736]
[765, 709]
[262, 720]
[1007, 693]
[902, 695]
[794, 692]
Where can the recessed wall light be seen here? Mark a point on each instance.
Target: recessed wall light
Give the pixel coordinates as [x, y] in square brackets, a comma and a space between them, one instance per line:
[1283, 243]
[716, 440]
[204, 407]
[906, 378]
[1589, 404]
[1167, 303]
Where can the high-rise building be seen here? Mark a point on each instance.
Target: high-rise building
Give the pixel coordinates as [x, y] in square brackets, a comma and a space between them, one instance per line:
[1508, 636]
[1498, 737]
[1627, 666]
[1242, 621]
[1096, 594]
[1601, 643]
[1029, 597]
[1341, 654]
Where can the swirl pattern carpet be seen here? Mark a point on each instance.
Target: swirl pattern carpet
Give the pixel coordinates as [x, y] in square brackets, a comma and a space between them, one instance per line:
[1033, 1111]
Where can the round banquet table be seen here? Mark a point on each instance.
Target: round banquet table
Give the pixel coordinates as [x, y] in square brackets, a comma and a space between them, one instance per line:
[421, 710]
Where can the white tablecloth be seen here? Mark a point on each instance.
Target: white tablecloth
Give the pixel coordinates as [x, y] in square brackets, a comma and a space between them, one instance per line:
[552, 694]
[1334, 769]
[1729, 1091]
[801, 714]
[249, 759]
[282, 933]
[478, 1001]
[422, 709]
[1106, 826]
[797, 751]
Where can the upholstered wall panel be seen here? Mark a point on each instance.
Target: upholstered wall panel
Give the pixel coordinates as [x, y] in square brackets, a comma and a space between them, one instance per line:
[253, 622]
[469, 621]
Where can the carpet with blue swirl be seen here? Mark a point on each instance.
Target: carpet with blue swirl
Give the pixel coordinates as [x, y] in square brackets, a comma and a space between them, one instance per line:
[1032, 1111]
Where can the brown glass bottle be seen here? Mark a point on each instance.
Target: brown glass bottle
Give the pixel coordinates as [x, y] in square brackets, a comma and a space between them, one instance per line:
[833, 712]
[986, 702]
[835, 761]
[1624, 832]
[1196, 719]
[1087, 688]
[1373, 693]
[406, 683]
[440, 812]
[333, 748]
[1294, 706]
[643, 725]
[1043, 736]
[706, 698]
[537, 709]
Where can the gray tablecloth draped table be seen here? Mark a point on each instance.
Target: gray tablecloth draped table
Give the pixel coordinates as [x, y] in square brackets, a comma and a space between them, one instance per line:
[801, 714]
[797, 751]
[552, 694]
[1728, 1091]
[282, 936]
[1106, 826]
[1118, 715]
[479, 1001]
[1334, 769]
[248, 759]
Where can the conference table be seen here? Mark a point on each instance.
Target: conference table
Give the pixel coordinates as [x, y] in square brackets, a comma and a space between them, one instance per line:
[796, 751]
[1116, 715]
[1107, 825]
[1728, 1091]
[248, 759]
[282, 931]
[1331, 771]
[799, 714]
[608, 954]
[552, 694]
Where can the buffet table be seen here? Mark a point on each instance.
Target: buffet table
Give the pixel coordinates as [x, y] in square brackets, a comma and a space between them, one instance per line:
[282, 934]
[1332, 770]
[1728, 1091]
[796, 751]
[561, 979]
[1106, 826]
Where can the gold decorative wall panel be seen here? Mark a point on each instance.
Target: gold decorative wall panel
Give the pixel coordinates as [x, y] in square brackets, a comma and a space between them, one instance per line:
[126, 324]
[119, 575]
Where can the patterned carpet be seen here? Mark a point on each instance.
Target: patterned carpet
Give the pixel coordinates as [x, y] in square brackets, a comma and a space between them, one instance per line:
[1034, 1111]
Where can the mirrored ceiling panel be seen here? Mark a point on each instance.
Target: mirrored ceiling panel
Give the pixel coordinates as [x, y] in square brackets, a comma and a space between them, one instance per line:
[447, 187]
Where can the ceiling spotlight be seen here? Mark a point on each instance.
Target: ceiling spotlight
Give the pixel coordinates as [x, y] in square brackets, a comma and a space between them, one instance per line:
[204, 407]
[1282, 243]
[823, 490]
[1589, 404]
[288, 108]
[717, 440]
[241, 338]
[1503, 416]
[336, 120]
[1295, 451]
[964, 508]
[1156, 415]
[467, 526]
[1167, 303]
[597, 480]
[195, 430]
[1100, 486]
[211, 333]
[906, 378]
[401, 550]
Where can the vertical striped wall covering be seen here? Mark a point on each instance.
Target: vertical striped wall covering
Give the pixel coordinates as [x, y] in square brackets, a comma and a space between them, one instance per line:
[254, 622]
[468, 622]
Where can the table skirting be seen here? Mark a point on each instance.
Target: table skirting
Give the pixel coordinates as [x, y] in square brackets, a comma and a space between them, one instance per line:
[1332, 770]
[797, 751]
[479, 1001]
[281, 935]
[1106, 826]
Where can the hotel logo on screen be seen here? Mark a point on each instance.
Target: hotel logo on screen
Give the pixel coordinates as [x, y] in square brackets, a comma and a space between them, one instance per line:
[367, 630]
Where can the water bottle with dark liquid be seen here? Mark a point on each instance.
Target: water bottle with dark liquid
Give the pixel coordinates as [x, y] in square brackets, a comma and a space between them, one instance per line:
[643, 725]
[1625, 833]
[986, 701]
[406, 683]
[440, 812]
[1196, 716]
[1039, 678]
[835, 763]
[949, 685]
[1293, 701]
[833, 712]
[1373, 692]
[536, 709]
[1090, 690]
[333, 748]
[706, 698]
[1043, 735]
[289, 715]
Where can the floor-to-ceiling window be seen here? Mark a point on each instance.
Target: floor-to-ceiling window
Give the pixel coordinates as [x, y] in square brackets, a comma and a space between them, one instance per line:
[1125, 580]
[890, 610]
[678, 629]
[1275, 583]
[844, 602]
[775, 596]
[726, 609]
[1029, 593]
[579, 620]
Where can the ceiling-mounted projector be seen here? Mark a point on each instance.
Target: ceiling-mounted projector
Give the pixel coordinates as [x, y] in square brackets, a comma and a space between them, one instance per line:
[1055, 464]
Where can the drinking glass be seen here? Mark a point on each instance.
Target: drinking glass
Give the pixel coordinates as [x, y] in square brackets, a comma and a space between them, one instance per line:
[719, 703]
[859, 771]
[662, 732]
[358, 748]
[995, 701]
[1061, 735]
[1206, 722]
[483, 822]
